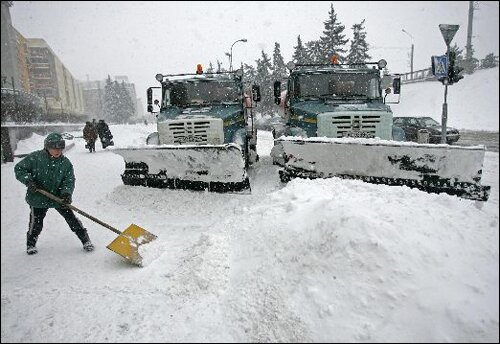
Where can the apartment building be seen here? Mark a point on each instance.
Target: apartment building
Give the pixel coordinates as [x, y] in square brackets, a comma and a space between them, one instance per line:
[50, 79]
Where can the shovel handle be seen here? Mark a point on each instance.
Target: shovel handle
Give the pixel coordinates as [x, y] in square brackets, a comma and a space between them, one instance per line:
[72, 207]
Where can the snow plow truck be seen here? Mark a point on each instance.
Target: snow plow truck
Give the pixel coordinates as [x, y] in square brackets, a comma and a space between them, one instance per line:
[205, 138]
[338, 124]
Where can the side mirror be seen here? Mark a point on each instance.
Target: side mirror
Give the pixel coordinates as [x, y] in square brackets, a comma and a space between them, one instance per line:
[255, 93]
[396, 85]
[149, 96]
[277, 92]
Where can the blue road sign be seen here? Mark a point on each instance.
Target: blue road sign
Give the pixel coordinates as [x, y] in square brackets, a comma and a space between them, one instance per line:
[440, 66]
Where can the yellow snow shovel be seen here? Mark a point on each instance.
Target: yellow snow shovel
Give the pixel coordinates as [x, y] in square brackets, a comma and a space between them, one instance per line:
[126, 244]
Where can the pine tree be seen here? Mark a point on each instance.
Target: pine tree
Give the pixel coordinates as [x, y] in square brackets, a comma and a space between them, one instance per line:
[332, 41]
[263, 78]
[127, 108]
[459, 53]
[116, 115]
[299, 54]
[489, 61]
[358, 52]
[314, 52]
[249, 75]
[111, 101]
[210, 68]
[279, 69]
[119, 107]
[460, 59]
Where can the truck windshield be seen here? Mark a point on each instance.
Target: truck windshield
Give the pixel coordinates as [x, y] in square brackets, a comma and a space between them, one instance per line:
[338, 85]
[192, 92]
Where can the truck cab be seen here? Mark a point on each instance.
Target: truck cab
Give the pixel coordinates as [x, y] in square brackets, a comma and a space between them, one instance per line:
[205, 109]
[336, 101]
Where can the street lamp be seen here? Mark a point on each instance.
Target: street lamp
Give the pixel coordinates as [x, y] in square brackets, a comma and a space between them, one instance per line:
[231, 53]
[411, 55]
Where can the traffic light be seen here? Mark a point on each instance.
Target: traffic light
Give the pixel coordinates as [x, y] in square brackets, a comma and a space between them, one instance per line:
[454, 69]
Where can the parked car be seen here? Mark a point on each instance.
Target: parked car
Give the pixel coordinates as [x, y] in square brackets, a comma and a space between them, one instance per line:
[412, 125]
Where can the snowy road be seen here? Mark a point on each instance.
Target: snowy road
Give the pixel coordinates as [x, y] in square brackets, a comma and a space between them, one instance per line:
[477, 137]
[311, 261]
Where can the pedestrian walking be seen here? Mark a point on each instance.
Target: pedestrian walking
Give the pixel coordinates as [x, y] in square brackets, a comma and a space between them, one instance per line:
[90, 136]
[104, 134]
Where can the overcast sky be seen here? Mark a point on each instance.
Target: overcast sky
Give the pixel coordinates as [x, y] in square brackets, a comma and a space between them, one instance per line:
[140, 39]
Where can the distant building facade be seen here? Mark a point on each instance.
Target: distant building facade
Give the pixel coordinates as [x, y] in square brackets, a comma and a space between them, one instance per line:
[22, 65]
[31, 69]
[32, 72]
[10, 74]
[93, 98]
[51, 80]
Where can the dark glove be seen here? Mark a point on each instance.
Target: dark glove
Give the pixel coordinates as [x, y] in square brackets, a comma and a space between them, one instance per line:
[32, 186]
[66, 198]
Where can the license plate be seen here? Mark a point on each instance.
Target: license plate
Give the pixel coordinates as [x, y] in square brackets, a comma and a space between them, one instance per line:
[357, 133]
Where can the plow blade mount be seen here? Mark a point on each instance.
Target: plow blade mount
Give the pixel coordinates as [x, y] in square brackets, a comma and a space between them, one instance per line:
[454, 170]
[219, 168]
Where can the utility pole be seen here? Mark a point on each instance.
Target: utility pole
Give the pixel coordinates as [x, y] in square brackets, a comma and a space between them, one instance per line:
[411, 54]
[468, 53]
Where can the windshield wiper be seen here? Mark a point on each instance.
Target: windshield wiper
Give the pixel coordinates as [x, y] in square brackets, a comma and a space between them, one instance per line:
[309, 98]
[358, 95]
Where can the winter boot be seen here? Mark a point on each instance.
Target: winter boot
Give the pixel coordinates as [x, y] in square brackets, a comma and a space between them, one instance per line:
[88, 246]
[31, 250]
[31, 244]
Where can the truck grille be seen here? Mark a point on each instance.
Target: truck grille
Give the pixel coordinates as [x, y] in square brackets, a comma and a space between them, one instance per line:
[335, 125]
[345, 124]
[191, 131]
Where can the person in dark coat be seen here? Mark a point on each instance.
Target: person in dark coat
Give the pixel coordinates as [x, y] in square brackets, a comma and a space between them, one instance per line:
[90, 136]
[50, 170]
[104, 134]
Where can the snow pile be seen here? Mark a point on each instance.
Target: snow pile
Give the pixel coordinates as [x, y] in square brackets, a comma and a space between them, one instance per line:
[349, 263]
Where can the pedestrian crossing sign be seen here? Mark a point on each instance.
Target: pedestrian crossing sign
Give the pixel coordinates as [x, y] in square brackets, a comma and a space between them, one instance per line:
[440, 66]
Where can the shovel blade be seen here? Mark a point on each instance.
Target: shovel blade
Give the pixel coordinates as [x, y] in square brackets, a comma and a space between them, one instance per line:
[128, 242]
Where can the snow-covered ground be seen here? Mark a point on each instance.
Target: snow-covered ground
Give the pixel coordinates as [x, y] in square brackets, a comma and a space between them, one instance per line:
[311, 261]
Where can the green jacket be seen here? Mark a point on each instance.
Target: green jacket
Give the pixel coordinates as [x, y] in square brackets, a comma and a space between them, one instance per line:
[54, 175]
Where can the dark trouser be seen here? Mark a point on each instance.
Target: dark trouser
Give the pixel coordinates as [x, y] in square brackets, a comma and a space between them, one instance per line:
[91, 145]
[36, 224]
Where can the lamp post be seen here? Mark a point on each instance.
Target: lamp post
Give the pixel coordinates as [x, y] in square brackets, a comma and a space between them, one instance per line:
[231, 53]
[411, 55]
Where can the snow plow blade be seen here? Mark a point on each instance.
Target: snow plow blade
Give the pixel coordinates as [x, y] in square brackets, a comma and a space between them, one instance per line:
[454, 170]
[218, 168]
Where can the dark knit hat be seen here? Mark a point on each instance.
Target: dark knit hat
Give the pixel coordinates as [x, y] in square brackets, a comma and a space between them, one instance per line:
[54, 141]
